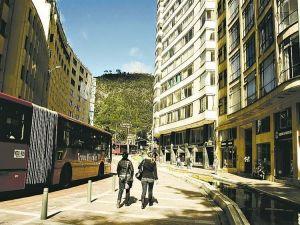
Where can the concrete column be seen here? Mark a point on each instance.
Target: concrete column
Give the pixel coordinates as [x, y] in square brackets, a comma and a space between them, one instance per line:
[254, 149]
[295, 139]
[241, 149]
[173, 156]
[272, 146]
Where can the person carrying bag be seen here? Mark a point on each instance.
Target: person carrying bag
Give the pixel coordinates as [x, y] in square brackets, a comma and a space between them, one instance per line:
[148, 176]
[125, 173]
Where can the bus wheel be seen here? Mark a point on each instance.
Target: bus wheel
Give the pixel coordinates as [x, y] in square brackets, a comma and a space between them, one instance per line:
[66, 176]
[101, 170]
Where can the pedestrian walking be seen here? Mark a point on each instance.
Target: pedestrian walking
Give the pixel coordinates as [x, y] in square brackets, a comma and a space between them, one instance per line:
[148, 170]
[125, 173]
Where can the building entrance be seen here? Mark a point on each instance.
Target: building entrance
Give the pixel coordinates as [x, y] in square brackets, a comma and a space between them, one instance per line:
[210, 156]
[248, 151]
[284, 158]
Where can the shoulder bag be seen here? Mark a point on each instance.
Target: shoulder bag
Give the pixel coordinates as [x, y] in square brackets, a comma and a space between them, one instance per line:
[138, 175]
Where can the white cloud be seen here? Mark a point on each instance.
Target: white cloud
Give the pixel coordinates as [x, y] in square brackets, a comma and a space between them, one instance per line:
[135, 52]
[84, 34]
[137, 67]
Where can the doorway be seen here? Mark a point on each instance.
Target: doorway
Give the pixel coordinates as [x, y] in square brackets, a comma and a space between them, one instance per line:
[248, 151]
[284, 158]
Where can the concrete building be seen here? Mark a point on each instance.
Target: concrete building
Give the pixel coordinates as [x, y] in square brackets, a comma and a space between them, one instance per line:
[71, 82]
[185, 93]
[259, 87]
[23, 49]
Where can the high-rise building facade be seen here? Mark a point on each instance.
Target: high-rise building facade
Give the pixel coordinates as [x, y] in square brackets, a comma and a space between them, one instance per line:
[23, 49]
[184, 89]
[70, 81]
[259, 87]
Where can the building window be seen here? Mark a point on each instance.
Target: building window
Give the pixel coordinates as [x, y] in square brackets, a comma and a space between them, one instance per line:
[222, 79]
[235, 99]
[81, 70]
[223, 106]
[234, 36]
[197, 136]
[262, 4]
[222, 54]
[288, 14]
[250, 88]
[233, 6]
[188, 111]
[207, 79]
[222, 29]
[177, 96]
[249, 52]
[180, 138]
[23, 73]
[290, 58]
[263, 125]
[74, 61]
[248, 16]
[26, 43]
[267, 75]
[73, 71]
[72, 82]
[189, 36]
[235, 67]
[266, 32]
[264, 156]
[284, 119]
[188, 91]
[206, 103]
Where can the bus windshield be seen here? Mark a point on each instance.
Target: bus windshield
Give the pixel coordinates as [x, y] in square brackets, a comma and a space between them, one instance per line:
[14, 123]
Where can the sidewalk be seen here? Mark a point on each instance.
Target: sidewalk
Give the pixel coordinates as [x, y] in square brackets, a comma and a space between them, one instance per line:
[277, 190]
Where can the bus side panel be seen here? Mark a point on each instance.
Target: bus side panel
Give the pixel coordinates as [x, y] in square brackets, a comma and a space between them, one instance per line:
[13, 166]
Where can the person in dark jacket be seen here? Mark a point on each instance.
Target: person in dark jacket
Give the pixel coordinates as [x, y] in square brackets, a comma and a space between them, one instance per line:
[125, 173]
[149, 175]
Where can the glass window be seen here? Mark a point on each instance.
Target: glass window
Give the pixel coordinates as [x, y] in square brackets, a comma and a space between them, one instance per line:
[248, 16]
[235, 99]
[249, 52]
[15, 123]
[250, 88]
[222, 54]
[266, 32]
[264, 156]
[235, 67]
[263, 125]
[267, 75]
[222, 79]
[262, 4]
[229, 157]
[223, 106]
[290, 58]
[234, 36]
[288, 13]
[233, 6]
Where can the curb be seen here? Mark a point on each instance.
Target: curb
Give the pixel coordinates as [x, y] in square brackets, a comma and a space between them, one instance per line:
[233, 213]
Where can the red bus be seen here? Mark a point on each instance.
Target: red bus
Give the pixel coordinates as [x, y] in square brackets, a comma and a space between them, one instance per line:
[119, 149]
[39, 146]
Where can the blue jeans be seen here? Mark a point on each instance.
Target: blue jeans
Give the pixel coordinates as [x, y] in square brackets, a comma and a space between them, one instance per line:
[145, 185]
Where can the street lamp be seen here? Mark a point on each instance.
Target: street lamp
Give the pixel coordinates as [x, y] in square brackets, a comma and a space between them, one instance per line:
[55, 68]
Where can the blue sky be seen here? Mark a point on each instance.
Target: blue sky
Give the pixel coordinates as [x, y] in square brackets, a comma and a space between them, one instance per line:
[111, 34]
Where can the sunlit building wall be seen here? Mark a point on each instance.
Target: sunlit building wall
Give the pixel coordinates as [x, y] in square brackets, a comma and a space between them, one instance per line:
[23, 49]
[184, 89]
[259, 87]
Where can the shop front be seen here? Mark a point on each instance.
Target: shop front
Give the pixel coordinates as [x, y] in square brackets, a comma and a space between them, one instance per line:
[228, 151]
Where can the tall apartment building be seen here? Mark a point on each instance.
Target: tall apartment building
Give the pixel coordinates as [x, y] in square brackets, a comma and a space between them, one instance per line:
[259, 87]
[70, 81]
[23, 49]
[185, 93]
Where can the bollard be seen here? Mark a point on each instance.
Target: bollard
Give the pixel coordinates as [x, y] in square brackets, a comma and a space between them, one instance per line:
[89, 192]
[44, 205]
[113, 187]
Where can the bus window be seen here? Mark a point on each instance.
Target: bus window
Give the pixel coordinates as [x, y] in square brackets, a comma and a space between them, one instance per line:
[13, 126]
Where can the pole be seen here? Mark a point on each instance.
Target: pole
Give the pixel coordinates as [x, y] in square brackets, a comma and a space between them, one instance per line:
[113, 186]
[89, 192]
[44, 204]
[127, 140]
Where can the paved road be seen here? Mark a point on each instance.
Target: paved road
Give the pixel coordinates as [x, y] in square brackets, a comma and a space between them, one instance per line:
[178, 203]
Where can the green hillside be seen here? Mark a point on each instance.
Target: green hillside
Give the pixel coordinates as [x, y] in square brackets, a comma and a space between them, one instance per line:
[124, 98]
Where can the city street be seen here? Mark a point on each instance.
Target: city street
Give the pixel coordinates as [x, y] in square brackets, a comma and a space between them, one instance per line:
[177, 203]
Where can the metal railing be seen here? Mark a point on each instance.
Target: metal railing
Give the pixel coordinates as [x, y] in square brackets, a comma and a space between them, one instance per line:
[289, 73]
[288, 20]
[268, 87]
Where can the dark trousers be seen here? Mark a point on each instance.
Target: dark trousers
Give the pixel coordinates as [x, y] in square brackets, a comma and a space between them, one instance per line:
[145, 185]
[122, 183]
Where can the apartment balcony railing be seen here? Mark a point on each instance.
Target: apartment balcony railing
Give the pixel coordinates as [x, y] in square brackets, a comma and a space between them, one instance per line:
[289, 73]
[250, 99]
[235, 107]
[235, 75]
[288, 20]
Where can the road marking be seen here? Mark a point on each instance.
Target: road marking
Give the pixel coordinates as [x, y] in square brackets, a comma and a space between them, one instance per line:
[184, 221]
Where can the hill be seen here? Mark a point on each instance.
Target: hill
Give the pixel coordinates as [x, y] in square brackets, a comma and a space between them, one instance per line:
[124, 98]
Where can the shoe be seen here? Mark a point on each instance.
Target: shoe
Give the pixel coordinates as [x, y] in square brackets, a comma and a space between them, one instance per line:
[151, 203]
[143, 206]
[118, 204]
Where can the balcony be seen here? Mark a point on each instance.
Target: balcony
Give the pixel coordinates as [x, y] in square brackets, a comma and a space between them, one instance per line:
[289, 73]
[286, 19]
